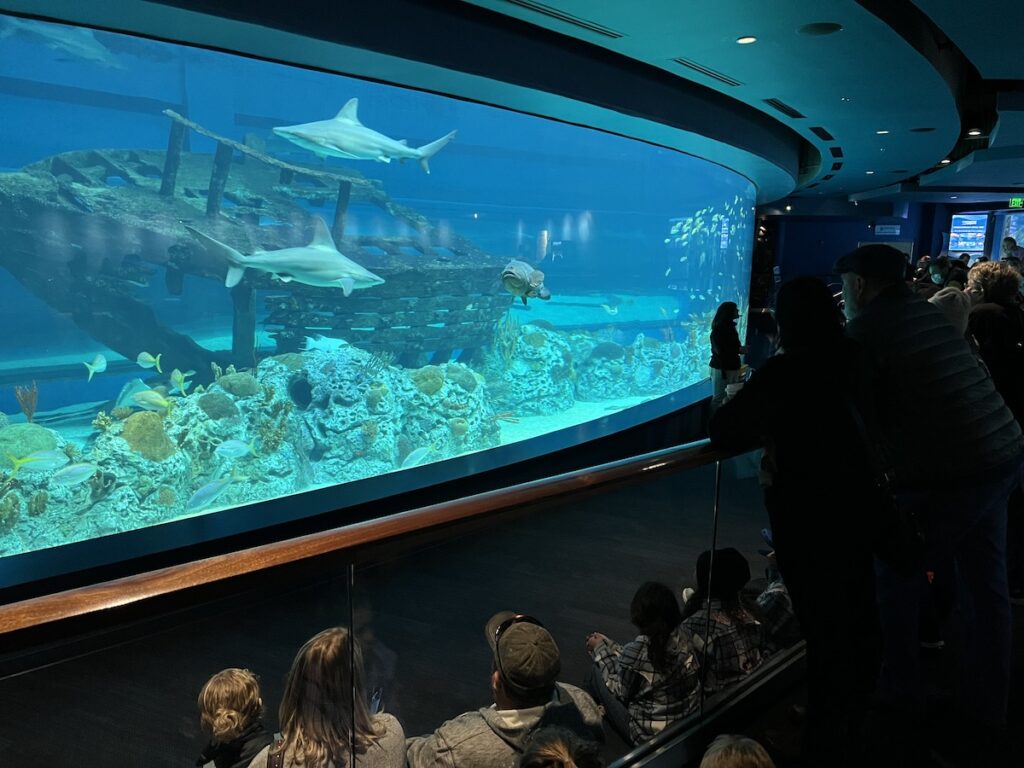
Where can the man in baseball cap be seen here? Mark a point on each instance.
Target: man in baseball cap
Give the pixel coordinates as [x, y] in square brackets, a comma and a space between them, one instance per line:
[952, 473]
[524, 673]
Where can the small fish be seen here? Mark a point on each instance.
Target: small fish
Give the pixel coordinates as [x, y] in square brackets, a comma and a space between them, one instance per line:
[152, 400]
[74, 474]
[178, 381]
[668, 271]
[98, 365]
[208, 493]
[146, 360]
[235, 449]
[668, 240]
[417, 457]
[39, 460]
[610, 310]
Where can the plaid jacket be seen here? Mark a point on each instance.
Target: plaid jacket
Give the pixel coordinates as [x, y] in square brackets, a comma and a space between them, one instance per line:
[655, 698]
[777, 615]
[733, 647]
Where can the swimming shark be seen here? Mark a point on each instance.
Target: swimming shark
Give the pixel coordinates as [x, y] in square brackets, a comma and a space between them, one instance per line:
[318, 263]
[75, 42]
[344, 136]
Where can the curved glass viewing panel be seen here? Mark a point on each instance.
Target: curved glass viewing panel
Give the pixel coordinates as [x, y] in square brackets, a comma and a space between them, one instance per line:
[226, 281]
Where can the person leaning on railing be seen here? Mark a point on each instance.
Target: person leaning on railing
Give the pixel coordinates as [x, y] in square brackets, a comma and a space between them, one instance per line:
[803, 406]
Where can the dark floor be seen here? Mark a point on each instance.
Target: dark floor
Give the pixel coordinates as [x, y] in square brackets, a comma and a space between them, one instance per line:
[573, 564]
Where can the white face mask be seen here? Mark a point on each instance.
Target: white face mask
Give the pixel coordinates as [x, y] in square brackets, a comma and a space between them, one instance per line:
[937, 278]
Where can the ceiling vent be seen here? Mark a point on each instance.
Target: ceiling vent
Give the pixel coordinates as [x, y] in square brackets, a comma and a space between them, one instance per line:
[784, 108]
[836, 166]
[836, 151]
[826, 178]
[702, 70]
[566, 18]
[822, 134]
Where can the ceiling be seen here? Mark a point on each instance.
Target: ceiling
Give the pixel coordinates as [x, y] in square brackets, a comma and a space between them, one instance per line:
[863, 79]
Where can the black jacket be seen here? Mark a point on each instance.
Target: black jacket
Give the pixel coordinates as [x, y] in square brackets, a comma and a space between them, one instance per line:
[725, 347]
[999, 332]
[798, 406]
[938, 409]
[239, 752]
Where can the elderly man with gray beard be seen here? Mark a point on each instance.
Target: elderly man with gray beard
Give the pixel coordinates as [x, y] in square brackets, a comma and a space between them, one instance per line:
[956, 451]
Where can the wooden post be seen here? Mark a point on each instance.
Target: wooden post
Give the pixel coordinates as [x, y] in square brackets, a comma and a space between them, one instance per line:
[243, 327]
[219, 178]
[173, 159]
[344, 192]
[286, 176]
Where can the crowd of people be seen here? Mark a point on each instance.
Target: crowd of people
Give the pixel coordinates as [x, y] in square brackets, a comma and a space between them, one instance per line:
[892, 474]
[327, 719]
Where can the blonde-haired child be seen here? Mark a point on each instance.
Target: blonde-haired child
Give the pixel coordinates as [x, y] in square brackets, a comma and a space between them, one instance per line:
[231, 710]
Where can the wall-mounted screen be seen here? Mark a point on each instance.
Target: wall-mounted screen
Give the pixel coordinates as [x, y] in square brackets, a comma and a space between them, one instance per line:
[225, 281]
[967, 233]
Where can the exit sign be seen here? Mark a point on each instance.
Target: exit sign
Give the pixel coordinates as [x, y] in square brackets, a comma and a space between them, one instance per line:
[1017, 202]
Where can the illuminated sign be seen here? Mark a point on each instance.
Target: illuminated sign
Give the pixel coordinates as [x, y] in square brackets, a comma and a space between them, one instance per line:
[1017, 202]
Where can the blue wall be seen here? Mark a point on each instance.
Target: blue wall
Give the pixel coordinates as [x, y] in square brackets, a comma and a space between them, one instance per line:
[810, 245]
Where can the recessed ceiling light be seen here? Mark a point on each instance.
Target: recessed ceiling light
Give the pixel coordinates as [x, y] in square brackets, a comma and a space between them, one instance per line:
[819, 28]
[952, 197]
[746, 40]
[789, 207]
[845, 98]
[974, 132]
[881, 133]
[869, 173]
[947, 161]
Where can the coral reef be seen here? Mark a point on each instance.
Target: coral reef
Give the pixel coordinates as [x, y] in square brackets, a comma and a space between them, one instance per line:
[144, 432]
[166, 497]
[538, 377]
[218, 406]
[239, 384]
[102, 421]
[428, 379]
[37, 503]
[22, 439]
[122, 412]
[10, 511]
[28, 399]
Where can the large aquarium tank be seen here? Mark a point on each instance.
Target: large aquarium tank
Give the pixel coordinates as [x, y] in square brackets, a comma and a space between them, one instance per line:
[226, 281]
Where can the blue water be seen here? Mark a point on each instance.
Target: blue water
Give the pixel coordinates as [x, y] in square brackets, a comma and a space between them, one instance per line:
[643, 243]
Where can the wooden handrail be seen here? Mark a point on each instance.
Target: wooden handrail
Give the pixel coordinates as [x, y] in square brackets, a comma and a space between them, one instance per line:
[132, 589]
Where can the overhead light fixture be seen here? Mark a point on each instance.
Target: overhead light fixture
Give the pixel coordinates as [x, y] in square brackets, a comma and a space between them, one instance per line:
[881, 133]
[746, 40]
[974, 132]
[952, 197]
[845, 98]
[869, 173]
[947, 161]
[789, 207]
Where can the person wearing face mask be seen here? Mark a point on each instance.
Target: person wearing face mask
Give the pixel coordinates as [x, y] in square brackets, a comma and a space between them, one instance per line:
[953, 476]
[934, 278]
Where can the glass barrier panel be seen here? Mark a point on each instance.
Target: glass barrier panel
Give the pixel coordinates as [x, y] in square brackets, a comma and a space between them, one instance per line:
[133, 701]
[746, 607]
[572, 564]
[235, 281]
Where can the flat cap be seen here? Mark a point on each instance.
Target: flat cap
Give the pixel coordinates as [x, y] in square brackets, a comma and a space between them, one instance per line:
[878, 261]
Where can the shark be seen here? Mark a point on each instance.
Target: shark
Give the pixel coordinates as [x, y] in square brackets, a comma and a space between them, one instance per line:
[344, 136]
[319, 263]
[74, 42]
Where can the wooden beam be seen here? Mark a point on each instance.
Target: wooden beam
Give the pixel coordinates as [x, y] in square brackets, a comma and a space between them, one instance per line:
[172, 160]
[219, 178]
[243, 325]
[341, 212]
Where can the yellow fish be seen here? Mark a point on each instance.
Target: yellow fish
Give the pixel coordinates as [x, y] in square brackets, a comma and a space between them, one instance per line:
[152, 400]
[146, 360]
[179, 381]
